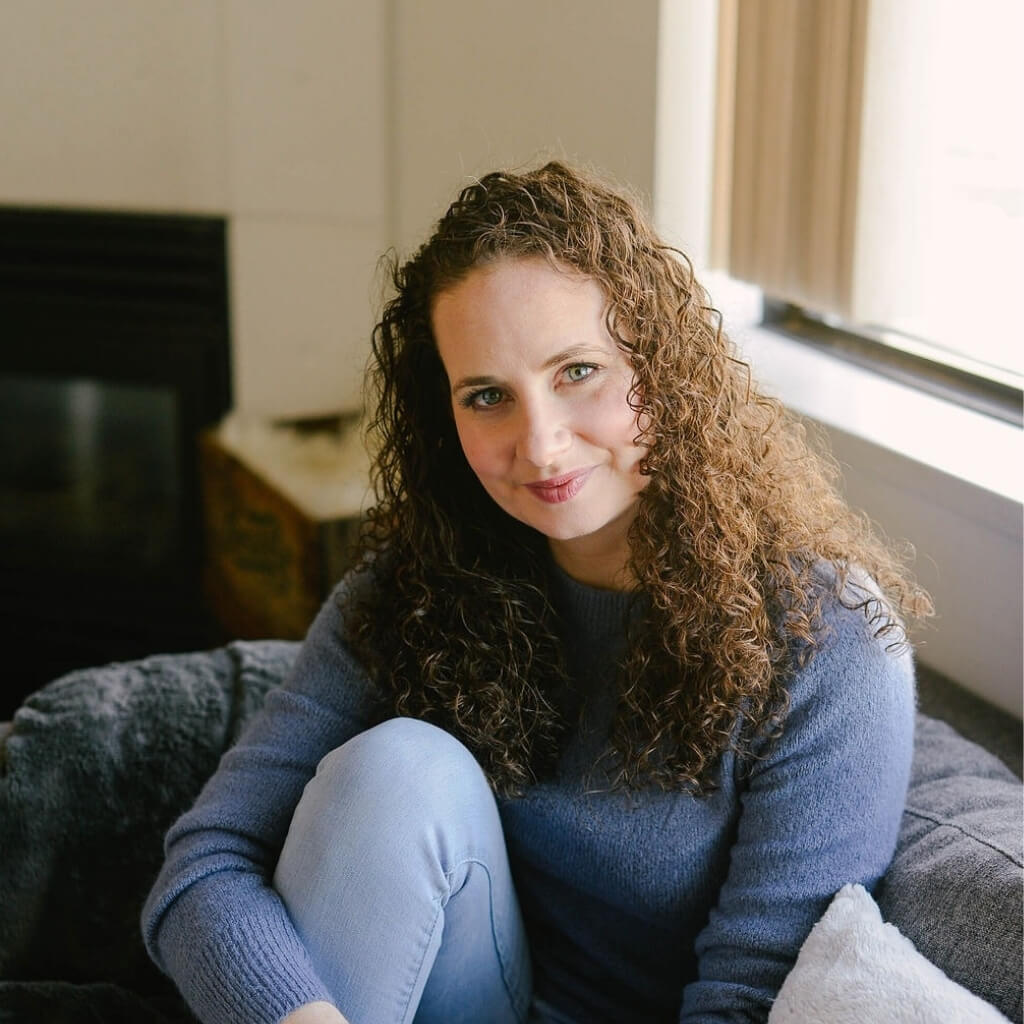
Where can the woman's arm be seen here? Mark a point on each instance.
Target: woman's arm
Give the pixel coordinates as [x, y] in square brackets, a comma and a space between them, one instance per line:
[213, 922]
[822, 808]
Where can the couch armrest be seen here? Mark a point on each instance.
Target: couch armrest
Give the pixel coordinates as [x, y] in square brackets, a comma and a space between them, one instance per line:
[956, 882]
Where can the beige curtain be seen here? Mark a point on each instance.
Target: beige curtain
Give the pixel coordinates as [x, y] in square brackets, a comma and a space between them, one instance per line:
[790, 80]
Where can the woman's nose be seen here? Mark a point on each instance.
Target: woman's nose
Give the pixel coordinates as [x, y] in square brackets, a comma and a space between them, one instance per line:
[542, 436]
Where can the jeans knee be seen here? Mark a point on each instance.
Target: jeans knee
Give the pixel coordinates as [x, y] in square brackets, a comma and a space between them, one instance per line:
[407, 752]
[402, 774]
[396, 845]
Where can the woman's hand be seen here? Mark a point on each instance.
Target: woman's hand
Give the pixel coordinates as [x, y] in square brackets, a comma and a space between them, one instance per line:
[315, 1013]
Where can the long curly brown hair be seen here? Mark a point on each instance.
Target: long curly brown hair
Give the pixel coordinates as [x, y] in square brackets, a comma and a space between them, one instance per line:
[727, 547]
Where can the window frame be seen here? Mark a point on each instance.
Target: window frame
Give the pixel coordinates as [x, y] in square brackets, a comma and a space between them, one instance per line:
[981, 390]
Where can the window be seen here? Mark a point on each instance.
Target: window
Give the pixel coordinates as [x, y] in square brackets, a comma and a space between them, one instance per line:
[870, 178]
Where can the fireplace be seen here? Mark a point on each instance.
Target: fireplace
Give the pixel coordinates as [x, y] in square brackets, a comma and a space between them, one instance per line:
[114, 355]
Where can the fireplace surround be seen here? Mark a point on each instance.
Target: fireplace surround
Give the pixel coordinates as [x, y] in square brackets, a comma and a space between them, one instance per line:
[114, 355]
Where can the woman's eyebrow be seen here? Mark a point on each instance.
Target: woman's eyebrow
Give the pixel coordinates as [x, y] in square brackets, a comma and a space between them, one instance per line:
[573, 352]
[473, 382]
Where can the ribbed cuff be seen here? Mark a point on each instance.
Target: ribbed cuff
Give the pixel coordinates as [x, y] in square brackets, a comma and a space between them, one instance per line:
[256, 971]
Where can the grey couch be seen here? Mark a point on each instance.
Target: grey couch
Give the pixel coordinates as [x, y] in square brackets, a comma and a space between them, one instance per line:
[96, 765]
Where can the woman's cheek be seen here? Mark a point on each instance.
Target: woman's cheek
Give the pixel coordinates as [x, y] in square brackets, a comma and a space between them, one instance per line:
[612, 414]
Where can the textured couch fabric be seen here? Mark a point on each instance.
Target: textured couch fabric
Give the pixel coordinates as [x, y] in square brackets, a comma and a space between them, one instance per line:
[96, 766]
[93, 770]
[954, 887]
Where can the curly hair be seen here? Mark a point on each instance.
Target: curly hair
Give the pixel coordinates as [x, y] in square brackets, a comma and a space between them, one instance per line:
[739, 516]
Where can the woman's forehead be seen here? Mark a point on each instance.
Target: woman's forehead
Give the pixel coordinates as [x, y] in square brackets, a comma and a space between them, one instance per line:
[518, 298]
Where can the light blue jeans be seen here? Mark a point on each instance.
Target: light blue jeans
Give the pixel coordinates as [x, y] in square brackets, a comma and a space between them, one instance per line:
[396, 876]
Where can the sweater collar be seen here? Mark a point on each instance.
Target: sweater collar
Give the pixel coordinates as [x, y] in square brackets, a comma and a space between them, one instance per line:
[591, 612]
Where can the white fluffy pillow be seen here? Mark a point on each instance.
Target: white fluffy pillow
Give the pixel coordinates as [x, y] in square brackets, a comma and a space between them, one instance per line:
[854, 969]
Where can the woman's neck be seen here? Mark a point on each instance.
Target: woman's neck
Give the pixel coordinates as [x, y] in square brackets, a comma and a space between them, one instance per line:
[593, 566]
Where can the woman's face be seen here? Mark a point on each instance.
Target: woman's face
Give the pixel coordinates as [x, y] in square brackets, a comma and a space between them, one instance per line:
[540, 398]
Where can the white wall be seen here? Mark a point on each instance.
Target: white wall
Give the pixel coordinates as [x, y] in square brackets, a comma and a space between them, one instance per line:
[480, 84]
[114, 104]
[970, 558]
[306, 104]
[685, 124]
[274, 114]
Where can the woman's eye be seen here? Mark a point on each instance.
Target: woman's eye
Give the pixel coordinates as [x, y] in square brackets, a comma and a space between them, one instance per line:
[486, 398]
[579, 371]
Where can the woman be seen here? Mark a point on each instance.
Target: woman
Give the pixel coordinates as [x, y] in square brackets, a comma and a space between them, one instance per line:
[617, 700]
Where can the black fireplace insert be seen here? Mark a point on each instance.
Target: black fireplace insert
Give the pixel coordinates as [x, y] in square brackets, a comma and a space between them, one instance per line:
[114, 355]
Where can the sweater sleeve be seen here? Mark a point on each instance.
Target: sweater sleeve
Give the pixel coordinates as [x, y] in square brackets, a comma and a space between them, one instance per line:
[212, 921]
[820, 809]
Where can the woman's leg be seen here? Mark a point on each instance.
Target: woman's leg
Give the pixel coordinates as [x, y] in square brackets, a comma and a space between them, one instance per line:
[396, 876]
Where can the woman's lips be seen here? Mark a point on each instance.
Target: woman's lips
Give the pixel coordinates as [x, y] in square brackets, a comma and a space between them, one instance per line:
[560, 488]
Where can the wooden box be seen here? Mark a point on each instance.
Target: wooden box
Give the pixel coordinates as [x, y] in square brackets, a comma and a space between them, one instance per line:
[268, 564]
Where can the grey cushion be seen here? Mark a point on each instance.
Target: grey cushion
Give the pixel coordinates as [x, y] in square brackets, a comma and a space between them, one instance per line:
[93, 770]
[955, 885]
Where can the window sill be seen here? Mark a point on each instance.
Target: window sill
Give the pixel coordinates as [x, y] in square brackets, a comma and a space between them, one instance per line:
[974, 448]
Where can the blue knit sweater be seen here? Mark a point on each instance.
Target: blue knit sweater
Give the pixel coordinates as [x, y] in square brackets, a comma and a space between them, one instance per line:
[657, 907]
